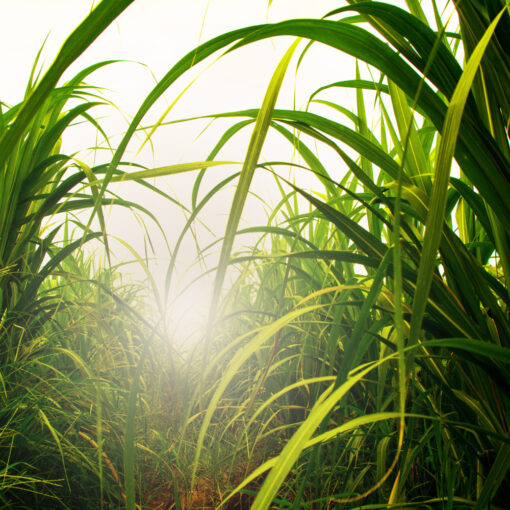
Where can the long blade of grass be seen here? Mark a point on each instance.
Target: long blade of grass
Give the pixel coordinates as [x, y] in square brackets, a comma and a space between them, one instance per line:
[354, 349]
[237, 361]
[129, 435]
[262, 123]
[496, 475]
[435, 217]
[81, 38]
[299, 440]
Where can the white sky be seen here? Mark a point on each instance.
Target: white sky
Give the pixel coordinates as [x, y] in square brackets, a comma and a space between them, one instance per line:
[158, 33]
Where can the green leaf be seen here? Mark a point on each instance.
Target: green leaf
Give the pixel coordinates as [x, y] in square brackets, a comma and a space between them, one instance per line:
[262, 123]
[435, 216]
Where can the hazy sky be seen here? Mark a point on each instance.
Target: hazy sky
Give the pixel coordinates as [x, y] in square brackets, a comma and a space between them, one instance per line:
[157, 33]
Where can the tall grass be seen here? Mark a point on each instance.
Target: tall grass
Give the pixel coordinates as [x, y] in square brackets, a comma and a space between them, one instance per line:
[67, 341]
[359, 359]
[415, 344]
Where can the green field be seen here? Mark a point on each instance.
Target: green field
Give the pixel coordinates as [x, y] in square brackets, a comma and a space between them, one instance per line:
[357, 350]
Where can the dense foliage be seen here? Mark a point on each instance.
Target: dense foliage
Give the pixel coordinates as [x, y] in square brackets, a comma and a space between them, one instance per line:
[360, 358]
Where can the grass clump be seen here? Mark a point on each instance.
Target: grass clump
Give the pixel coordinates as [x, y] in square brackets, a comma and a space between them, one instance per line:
[360, 357]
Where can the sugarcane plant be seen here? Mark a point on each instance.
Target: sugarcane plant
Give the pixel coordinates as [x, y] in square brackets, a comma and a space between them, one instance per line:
[361, 355]
[416, 344]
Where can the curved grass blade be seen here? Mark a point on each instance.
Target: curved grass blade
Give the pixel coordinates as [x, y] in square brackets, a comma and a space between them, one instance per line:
[262, 123]
[81, 38]
[435, 217]
[241, 356]
[298, 442]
